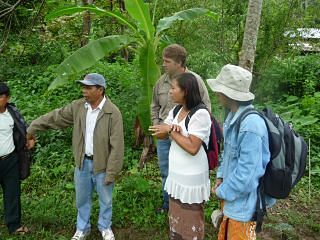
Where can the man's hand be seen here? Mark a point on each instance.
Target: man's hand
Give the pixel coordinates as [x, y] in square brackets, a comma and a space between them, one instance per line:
[30, 136]
[218, 182]
[31, 140]
[107, 181]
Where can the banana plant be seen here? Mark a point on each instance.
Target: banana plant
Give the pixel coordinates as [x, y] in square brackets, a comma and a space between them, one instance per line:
[143, 36]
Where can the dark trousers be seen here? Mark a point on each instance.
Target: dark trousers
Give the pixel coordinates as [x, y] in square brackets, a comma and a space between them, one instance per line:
[10, 183]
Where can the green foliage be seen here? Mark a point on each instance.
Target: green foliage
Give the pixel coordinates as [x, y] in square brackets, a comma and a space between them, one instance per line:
[277, 17]
[134, 196]
[305, 116]
[298, 76]
[147, 45]
[139, 11]
[219, 35]
[87, 57]
[188, 14]
[29, 64]
[73, 10]
[205, 63]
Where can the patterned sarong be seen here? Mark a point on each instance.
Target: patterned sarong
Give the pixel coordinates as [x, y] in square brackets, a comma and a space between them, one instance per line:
[186, 221]
[234, 230]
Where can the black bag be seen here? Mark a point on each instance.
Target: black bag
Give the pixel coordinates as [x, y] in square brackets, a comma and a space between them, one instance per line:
[25, 161]
[288, 153]
[215, 138]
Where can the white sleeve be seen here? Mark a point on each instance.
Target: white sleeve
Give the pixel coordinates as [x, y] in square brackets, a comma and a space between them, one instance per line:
[200, 124]
[169, 118]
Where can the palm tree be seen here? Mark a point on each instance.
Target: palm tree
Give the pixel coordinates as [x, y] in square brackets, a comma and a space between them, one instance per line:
[144, 38]
[248, 50]
[86, 25]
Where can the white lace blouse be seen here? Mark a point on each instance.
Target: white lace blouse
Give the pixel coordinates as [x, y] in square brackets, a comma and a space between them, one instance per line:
[188, 178]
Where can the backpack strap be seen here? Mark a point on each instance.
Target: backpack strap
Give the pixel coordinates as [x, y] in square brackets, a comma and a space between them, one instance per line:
[192, 111]
[176, 110]
[261, 206]
[243, 115]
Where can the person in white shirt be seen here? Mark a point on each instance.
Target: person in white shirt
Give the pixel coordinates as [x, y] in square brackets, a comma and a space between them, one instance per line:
[188, 183]
[10, 142]
[174, 62]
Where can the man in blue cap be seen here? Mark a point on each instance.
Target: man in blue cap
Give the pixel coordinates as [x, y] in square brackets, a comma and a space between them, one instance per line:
[98, 148]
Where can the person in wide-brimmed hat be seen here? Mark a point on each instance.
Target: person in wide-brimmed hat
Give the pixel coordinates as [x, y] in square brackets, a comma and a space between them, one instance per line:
[246, 154]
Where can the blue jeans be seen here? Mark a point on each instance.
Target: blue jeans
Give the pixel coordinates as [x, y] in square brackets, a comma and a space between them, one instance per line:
[85, 182]
[163, 146]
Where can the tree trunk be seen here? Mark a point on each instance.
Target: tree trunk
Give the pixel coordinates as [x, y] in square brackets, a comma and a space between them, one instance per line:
[121, 5]
[86, 26]
[248, 50]
[111, 5]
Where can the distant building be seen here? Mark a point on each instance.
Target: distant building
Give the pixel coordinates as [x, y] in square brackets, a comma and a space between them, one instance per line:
[304, 39]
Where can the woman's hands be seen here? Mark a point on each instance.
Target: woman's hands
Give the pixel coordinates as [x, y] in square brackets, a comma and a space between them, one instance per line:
[176, 128]
[190, 144]
[160, 131]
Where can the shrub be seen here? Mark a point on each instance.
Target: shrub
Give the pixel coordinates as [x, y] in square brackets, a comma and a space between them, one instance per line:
[297, 76]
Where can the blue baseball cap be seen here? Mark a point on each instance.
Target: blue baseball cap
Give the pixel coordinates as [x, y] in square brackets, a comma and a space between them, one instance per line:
[93, 79]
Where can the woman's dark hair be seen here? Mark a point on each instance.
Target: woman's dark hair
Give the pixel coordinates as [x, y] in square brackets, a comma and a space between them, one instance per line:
[4, 89]
[188, 83]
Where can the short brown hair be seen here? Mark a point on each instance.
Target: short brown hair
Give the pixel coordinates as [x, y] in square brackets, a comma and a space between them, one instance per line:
[176, 53]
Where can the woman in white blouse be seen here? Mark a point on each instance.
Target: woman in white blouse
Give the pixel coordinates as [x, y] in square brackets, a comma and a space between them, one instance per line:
[188, 183]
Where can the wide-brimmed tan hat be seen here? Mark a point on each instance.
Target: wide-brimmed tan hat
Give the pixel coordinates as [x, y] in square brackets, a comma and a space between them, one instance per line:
[234, 82]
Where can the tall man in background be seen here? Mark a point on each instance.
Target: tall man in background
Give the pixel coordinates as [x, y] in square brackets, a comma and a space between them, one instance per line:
[98, 148]
[174, 62]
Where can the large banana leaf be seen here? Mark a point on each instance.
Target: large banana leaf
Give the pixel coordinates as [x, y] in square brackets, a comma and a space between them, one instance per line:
[88, 55]
[96, 10]
[139, 11]
[188, 14]
[150, 73]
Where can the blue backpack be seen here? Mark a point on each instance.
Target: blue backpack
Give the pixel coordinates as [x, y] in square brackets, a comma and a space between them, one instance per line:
[288, 153]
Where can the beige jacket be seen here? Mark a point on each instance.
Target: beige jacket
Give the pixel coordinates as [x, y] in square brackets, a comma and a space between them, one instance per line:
[161, 101]
[108, 141]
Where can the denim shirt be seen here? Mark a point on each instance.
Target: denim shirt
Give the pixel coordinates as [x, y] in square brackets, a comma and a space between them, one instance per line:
[246, 154]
